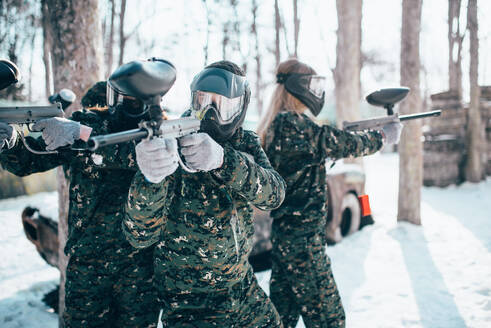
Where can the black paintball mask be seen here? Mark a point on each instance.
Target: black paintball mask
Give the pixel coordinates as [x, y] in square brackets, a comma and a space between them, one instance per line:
[136, 83]
[308, 88]
[219, 98]
[9, 73]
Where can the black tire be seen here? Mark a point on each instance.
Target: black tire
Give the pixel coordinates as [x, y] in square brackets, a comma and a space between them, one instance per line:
[350, 215]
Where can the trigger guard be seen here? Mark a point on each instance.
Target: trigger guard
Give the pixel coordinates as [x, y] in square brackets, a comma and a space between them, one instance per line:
[184, 166]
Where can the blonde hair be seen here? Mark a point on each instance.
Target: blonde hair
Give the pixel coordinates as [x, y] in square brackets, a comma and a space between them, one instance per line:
[282, 100]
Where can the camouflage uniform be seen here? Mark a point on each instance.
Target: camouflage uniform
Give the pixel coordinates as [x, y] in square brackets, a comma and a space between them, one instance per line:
[108, 282]
[301, 279]
[203, 226]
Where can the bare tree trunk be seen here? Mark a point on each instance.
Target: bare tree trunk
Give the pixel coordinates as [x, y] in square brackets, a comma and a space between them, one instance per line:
[76, 31]
[236, 30]
[257, 58]
[285, 33]
[454, 47]
[348, 64]
[475, 131]
[29, 88]
[110, 40]
[277, 26]
[63, 202]
[225, 39]
[47, 40]
[208, 26]
[296, 25]
[410, 147]
[348, 58]
[122, 36]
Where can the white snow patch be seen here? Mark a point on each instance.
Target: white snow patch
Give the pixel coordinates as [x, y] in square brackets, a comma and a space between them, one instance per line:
[24, 276]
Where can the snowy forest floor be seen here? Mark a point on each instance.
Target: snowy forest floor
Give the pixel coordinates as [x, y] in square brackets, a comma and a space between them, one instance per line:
[389, 274]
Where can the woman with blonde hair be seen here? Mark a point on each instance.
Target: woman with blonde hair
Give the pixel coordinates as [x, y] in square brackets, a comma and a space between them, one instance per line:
[302, 282]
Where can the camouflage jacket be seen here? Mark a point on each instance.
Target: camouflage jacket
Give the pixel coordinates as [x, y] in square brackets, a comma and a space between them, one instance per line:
[98, 184]
[298, 148]
[203, 222]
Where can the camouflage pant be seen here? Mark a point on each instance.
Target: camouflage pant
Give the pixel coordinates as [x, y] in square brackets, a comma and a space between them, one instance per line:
[302, 283]
[112, 290]
[244, 305]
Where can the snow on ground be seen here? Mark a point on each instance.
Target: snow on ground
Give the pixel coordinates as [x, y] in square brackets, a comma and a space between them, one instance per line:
[24, 276]
[389, 274]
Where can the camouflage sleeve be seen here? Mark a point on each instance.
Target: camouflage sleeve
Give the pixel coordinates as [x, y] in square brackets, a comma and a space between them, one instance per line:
[119, 156]
[338, 144]
[299, 137]
[146, 211]
[250, 174]
[21, 162]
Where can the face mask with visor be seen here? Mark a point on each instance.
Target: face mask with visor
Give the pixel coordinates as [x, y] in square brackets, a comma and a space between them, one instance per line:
[219, 99]
[308, 88]
[226, 108]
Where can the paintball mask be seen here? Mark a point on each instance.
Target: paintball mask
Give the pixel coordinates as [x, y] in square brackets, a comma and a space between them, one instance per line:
[308, 88]
[219, 100]
[138, 83]
[9, 73]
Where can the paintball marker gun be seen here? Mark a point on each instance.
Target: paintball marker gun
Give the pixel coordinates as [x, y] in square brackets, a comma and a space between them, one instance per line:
[148, 81]
[386, 98]
[9, 74]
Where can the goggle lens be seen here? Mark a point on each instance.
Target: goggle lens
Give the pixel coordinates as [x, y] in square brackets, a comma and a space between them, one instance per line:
[317, 85]
[227, 108]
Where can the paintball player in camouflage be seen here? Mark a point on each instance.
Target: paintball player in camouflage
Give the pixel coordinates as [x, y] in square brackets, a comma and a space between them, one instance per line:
[302, 282]
[108, 282]
[202, 222]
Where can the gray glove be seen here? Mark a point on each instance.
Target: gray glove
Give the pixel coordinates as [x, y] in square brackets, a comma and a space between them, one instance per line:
[58, 132]
[157, 158]
[392, 132]
[201, 152]
[7, 135]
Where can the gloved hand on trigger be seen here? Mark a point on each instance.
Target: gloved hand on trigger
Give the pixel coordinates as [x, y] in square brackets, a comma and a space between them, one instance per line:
[157, 158]
[6, 135]
[392, 132]
[201, 152]
[58, 132]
